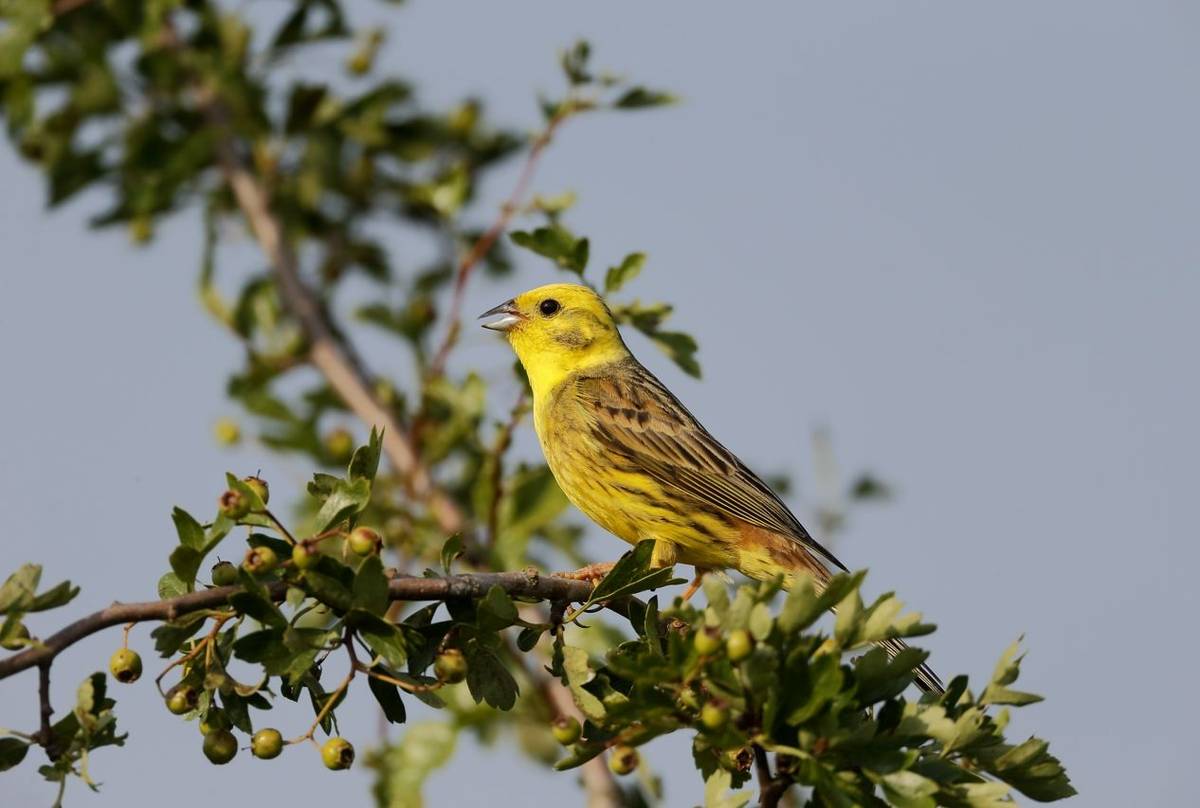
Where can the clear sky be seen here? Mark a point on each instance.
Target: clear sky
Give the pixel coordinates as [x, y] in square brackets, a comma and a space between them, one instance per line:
[965, 238]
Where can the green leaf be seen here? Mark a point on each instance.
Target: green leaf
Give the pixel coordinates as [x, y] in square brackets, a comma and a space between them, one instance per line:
[347, 499]
[171, 586]
[496, 610]
[328, 590]
[365, 462]
[388, 696]
[12, 752]
[556, 243]
[620, 275]
[574, 62]
[370, 588]
[451, 550]
[1007, 671]
[18, 592]
[387, 641]
[191, 534]
[403, 767]
[907, 789]
[185, 562]
[579, 672]
[641, 98]
[488, 679]
[716, 791]
[1034, 771]
[803, 605]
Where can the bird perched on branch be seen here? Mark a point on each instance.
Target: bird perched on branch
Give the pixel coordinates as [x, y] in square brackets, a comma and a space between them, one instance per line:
[629, 455]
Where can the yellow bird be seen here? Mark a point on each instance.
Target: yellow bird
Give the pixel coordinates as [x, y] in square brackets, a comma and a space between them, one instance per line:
[629, 455]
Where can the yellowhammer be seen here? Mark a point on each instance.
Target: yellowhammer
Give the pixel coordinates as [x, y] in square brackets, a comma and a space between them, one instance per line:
[632, 458]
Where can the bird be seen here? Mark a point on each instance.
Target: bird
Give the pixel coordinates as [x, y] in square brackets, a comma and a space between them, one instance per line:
[633, 459]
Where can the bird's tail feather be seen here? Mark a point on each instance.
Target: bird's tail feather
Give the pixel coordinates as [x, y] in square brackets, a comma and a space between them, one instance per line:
[923, 675]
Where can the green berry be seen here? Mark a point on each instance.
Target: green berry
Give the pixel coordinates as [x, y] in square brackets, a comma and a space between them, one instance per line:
[220, 746]
[260, 560]
[450, 666]
[713, 716]
[266, 744]
[259, 486]
[212, 721]
[337, 754]
[339, 443]
[233, 505]
[224, 574]
[227, 431]
[17, 641]
[182, 699]
[305, 556]
[566, 730]
[364, 541]
[623, 759]
[708, 640]
[125, 665]
[739, 645]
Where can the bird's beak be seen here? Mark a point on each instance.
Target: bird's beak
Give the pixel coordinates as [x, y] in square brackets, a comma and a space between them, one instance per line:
[508, 318]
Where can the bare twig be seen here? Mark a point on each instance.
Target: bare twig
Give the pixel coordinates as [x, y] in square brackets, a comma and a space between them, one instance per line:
[771, 788]
[503, 442]
[332, 356]
[485, 242]
[45, 734]
[404, 587]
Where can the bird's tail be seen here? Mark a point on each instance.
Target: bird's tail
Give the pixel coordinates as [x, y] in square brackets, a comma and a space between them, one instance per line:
[923, 675]
[804, 564]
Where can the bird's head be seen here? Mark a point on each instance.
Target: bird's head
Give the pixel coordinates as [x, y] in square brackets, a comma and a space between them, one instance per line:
[558, 329]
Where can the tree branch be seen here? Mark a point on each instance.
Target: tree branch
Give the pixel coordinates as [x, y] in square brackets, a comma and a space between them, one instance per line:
[528, 584]
[771, 788]
[329, 354]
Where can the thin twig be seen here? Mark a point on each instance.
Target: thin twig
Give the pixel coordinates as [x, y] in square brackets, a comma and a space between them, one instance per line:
[45, 733]
[771, 788]
[485, 242]
[503, 442]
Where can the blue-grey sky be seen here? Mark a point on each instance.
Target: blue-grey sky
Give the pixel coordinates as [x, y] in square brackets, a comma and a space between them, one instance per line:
[963, 236]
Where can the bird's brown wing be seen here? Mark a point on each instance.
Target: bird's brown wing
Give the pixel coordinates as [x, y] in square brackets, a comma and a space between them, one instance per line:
[640, 420]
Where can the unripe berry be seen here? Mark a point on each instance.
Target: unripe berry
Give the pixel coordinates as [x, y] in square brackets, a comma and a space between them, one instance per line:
[227, 431]
[622, 759]
[224, 574]
[304, 556]
[212, 721]
[260, 487]
[708, 640]
[182, 699]
[266, 744]
[233, 505]
[739, 645]
[125, 665]
[220, 746]
[364, 541]
[566, 730]
[450, 666]
[339, 443]
[259, 560]
[713, 716]
[17, 641]
[337, 754]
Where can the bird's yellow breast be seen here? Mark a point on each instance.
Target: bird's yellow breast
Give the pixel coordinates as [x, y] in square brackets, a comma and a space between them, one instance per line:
[622, 499]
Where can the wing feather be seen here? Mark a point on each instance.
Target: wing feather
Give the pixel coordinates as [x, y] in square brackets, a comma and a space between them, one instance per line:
[640, 420]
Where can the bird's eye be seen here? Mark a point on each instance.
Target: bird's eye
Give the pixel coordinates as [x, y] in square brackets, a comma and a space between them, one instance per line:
[549, 306]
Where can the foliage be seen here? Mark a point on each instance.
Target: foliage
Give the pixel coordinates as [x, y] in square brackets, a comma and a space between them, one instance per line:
[191, 106]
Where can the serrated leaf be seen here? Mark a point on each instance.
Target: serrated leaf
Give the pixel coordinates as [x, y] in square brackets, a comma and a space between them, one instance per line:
[347, 499]
[623, 273]
[191, 534]
[578, 672]
[388, 696]
[642, 98]
[370, 590]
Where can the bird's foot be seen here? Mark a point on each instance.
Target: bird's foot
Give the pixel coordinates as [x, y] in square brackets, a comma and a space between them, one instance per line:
[694, 586]
[592, 572]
